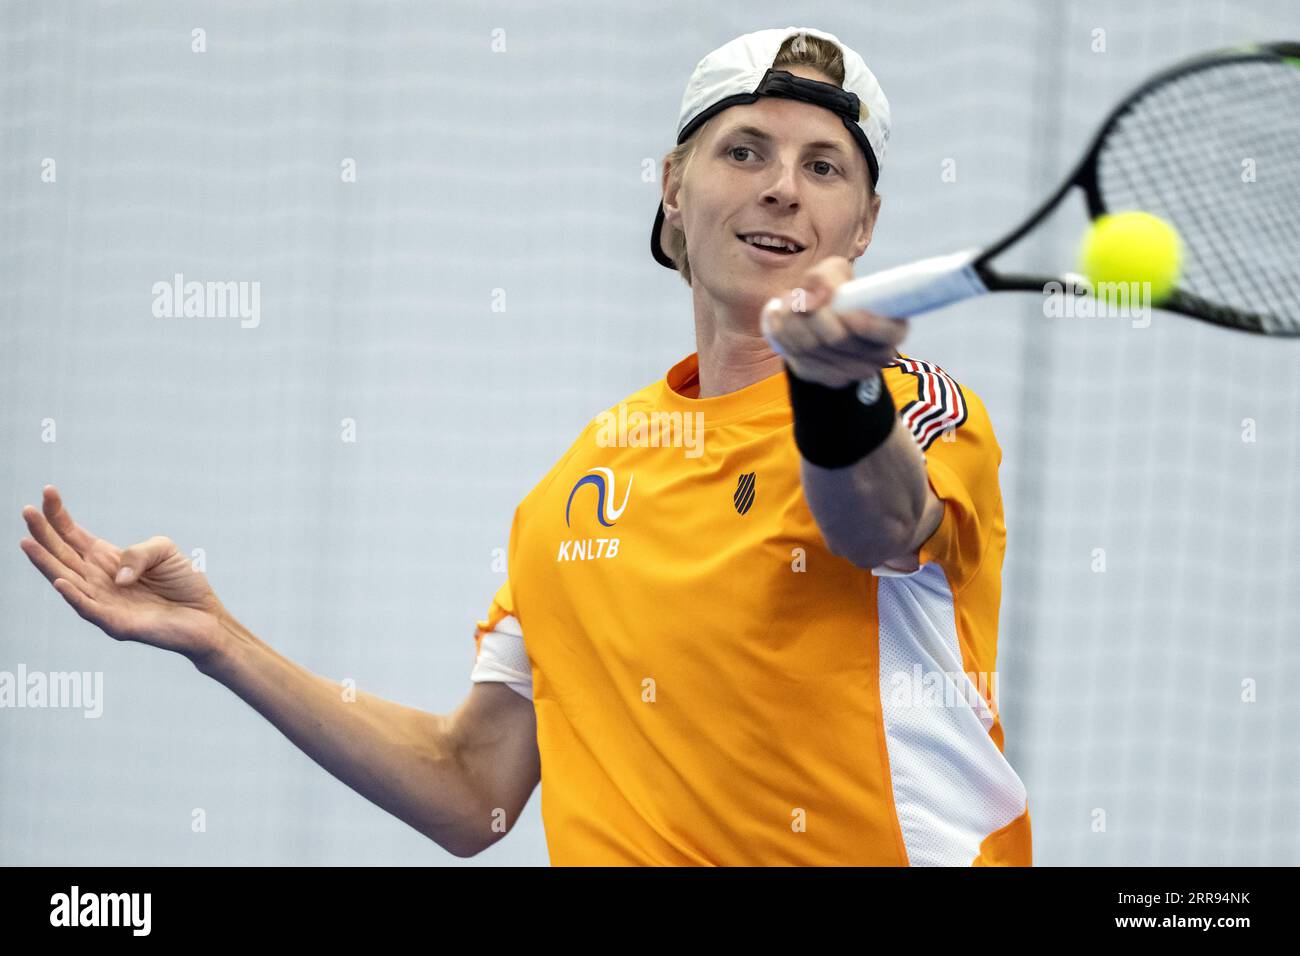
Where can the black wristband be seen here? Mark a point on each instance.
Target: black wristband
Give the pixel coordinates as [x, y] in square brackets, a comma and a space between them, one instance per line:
[837, 427]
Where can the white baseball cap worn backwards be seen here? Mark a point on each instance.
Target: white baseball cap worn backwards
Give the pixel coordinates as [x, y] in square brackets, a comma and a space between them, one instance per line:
[740, 71]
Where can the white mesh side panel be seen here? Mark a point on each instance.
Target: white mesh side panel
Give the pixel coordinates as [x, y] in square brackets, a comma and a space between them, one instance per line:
[502, 657]
[952, 786]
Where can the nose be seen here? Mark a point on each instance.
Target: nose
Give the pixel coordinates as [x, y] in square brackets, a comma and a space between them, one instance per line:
[782, 191]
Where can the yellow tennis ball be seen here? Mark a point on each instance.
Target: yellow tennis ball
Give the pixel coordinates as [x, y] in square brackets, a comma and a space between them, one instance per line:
[1132, 247]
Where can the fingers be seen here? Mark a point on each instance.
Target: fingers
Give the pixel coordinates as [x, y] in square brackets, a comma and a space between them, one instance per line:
[833, 331]
[58, 517]
[71, 588]
[73, 595]
[47, 564]
[872, 326]
[857, 338]
[50, 541]
[97, 613]
[824, 277]
[852, 330]
[823, 344]
[785, 330]
[858, 355]
[139, 558]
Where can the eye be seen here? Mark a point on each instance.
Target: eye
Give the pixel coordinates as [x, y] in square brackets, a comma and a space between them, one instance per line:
[831, 168]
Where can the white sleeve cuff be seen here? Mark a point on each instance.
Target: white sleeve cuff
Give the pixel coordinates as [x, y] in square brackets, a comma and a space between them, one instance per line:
[502, 658]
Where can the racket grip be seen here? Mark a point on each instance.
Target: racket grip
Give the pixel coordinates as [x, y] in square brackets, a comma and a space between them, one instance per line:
[914, 288]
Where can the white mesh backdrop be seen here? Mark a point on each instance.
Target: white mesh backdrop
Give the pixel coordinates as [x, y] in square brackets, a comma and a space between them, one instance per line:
[521, 171]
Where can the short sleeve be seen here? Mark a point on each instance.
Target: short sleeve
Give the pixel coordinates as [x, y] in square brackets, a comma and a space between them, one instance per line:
[962, 457]
[502, 606]
[503, 602]
[500, 655]
[499, 650]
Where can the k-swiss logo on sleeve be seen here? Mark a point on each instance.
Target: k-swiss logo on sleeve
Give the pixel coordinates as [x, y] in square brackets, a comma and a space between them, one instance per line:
[743, 497]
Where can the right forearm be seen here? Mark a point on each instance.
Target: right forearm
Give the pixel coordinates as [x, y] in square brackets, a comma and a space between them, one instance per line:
[398, 757]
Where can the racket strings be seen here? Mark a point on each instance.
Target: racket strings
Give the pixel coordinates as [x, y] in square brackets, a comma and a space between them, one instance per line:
[1244, 271]
[1243, 264]
[1183, 151]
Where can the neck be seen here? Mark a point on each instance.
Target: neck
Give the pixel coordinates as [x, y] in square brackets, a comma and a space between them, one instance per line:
[732, 351]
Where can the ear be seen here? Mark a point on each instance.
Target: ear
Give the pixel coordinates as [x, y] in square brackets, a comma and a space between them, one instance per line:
[866, 228]
[671, 186]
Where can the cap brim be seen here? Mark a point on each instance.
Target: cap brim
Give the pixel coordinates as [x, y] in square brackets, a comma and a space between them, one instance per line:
[656, 240]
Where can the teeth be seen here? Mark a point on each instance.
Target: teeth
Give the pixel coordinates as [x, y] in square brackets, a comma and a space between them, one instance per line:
[761, 240]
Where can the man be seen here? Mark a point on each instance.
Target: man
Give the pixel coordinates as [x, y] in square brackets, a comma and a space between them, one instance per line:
[754, 654]
[718, 676]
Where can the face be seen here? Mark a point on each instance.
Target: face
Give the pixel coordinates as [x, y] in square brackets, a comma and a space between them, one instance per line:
[806, 180]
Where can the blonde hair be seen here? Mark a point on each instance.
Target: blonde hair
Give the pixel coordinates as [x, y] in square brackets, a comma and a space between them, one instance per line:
[821, 55]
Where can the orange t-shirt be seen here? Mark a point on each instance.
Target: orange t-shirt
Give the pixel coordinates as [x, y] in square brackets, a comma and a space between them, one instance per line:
[713, 686]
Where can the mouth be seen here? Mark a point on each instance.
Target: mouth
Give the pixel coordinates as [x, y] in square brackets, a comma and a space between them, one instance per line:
[768, 253]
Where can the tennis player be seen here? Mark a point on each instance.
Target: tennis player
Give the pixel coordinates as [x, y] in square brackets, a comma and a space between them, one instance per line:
[774, 647]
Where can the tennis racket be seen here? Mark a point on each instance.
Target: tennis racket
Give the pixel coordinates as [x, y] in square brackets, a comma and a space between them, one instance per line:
[1212, 146]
